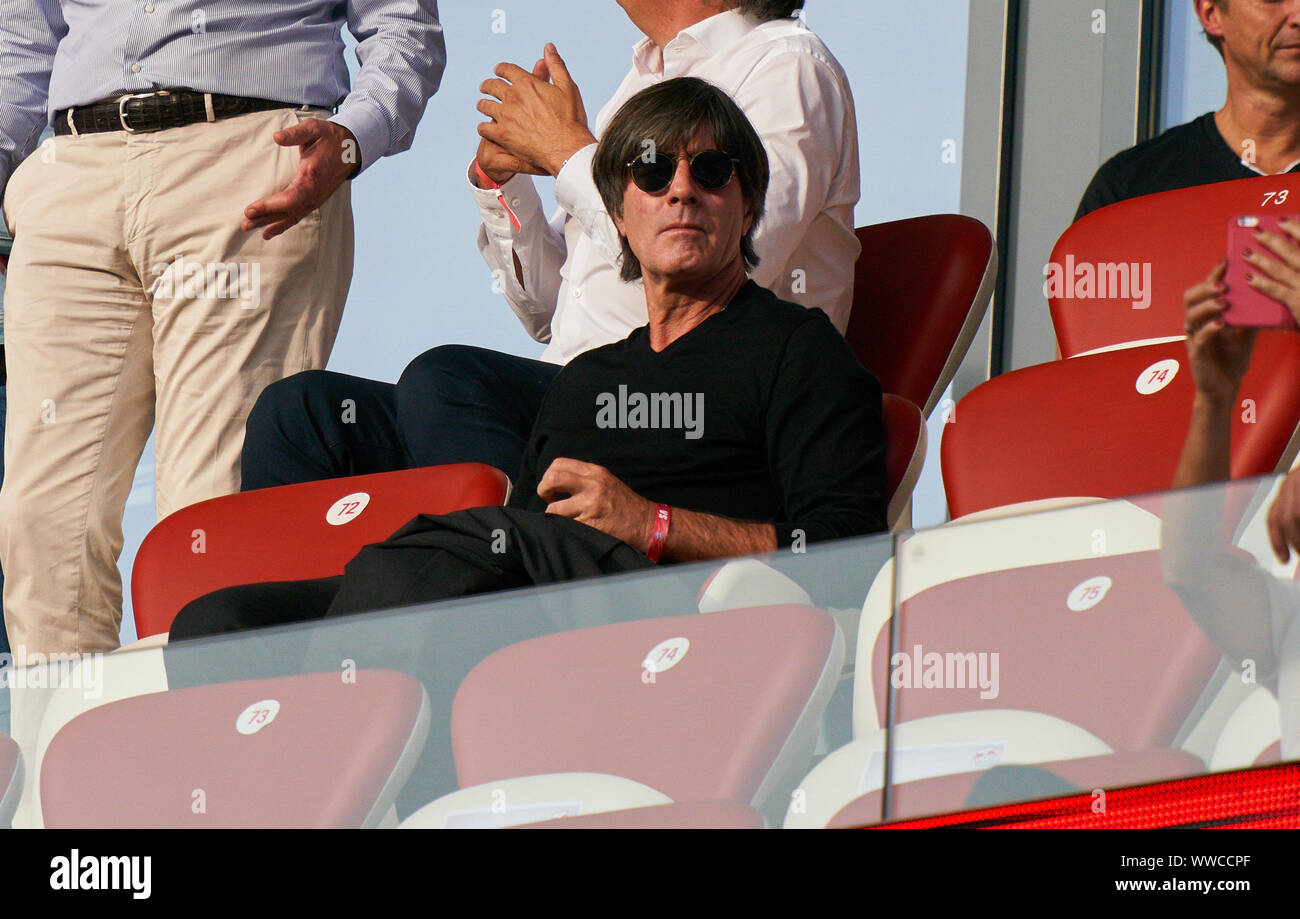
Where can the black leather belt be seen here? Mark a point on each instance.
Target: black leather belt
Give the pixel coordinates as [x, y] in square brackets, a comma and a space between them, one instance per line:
[138, 113]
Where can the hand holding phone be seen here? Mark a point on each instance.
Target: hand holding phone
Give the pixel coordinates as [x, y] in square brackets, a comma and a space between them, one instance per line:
[1248, 307]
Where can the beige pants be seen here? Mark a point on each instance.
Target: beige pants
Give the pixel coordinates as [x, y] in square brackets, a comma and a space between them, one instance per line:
[132, 293]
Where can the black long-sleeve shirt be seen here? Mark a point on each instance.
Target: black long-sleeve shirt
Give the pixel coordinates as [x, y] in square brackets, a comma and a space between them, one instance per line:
[763, 414]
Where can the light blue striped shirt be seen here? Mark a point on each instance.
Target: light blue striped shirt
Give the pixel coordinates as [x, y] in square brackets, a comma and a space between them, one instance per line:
[55, 54]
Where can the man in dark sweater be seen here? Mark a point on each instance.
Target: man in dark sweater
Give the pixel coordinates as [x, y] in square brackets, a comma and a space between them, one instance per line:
[733, 423]
[1257, 132]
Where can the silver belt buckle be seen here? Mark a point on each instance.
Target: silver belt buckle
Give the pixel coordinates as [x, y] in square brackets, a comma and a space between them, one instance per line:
[121, 110]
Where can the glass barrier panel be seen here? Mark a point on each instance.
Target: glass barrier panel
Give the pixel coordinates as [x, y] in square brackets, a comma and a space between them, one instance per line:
[1088, 648]
[606, 696]
[1069, 653]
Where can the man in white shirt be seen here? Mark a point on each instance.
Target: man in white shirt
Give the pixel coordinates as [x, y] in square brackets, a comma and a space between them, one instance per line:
[561, 277]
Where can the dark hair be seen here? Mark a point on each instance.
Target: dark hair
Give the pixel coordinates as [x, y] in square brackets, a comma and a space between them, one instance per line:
[665, 117]
[1216, 40]
[763, 10]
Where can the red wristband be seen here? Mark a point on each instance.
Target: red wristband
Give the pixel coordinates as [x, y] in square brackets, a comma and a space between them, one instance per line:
[501, 196]
[663, 518]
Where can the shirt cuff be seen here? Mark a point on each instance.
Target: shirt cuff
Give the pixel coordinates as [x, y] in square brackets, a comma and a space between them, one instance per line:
[369, 128]
[519, 193]
[575, 186]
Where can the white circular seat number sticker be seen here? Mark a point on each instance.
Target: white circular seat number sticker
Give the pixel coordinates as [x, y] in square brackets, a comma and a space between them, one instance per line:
[257, 716]
[1157, 376]
[347, 508]
[1088, 594]
[666, 655]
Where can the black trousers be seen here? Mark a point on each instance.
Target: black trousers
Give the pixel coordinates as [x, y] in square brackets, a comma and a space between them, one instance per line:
[453, 404]
[480, 550]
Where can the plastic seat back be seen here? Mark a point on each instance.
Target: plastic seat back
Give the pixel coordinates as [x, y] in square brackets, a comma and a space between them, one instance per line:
[1100, 643]
[920, 289]
[300, 751]
[291, 532]
[1109, 425]
[717, 707]
[905, 442]
[1173, 238]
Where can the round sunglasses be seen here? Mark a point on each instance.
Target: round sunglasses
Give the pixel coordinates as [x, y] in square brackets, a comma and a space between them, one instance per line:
[710, 169]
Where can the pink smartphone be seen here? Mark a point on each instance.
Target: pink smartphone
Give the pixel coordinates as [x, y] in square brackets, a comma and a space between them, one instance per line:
[1246, 305]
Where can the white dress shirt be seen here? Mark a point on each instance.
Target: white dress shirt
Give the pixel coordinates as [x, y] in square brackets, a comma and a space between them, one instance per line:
[797, 97]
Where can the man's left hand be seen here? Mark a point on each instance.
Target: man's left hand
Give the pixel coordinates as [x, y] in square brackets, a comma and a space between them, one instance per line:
[599, 499]
[1219, 354]
[329, 155]
[539, 121]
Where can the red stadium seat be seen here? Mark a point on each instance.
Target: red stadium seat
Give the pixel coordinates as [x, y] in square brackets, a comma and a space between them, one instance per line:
[1044, 624]
[920, 290]
[1033, 668]
[11, 779]
[689, 708]
[1053, 646]
[295, 531]
[905, 438]
[1082, 427]
[1179, 234]
[301, 751]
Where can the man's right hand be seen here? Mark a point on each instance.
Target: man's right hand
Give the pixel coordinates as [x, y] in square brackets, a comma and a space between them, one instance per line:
[493, 159]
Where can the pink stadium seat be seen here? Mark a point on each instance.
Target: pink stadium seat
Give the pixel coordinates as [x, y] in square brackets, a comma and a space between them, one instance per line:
[1071, 660]
[295, 531]
[1180, 235]
[1082, 427]
[920, 290]
[11, 779]
[950, 794]
[1124, 662]
[302, 751]
[691, 708]
[695, 815]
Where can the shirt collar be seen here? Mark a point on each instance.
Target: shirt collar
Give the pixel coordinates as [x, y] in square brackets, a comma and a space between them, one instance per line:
[1212, 127]
[706, 38]
[1253, 168]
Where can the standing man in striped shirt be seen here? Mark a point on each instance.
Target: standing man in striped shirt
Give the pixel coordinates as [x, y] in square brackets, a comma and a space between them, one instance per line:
[182, 241]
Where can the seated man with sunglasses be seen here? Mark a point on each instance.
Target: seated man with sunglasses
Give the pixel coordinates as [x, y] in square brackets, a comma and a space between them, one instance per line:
[733, 423]
[457, 403]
